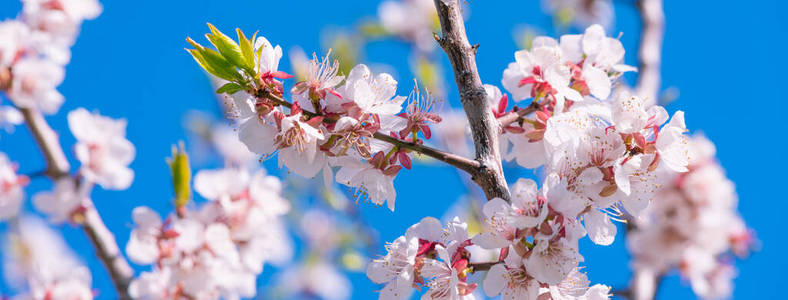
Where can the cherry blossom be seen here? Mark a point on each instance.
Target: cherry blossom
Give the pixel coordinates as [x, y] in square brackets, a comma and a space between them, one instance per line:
[375, 183]
[11, 188]
[372, 94]
[102, 148]
[321, 79]
[396, 269]
[581, 13]
[511, 279]
[319, 279]
[13, 41]
[61, 18]
[66, 199]
[444, 282]
[413, 20]
[10, 117]
[694, 226]
[218, 251]
[33, 84]
[540, 72]
[38, 258]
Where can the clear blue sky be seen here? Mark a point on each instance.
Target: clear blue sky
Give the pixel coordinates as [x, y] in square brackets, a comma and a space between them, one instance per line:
[725, 58]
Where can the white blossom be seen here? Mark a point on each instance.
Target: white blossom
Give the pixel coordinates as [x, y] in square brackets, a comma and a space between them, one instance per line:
[34, 84]
[38, 258]
[63, 201]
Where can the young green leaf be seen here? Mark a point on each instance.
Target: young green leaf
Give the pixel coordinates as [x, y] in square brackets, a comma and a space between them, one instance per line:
[181, 175]
[224, 69]
[247, 49]
[230, 88]
[226, 46]
[212, 62]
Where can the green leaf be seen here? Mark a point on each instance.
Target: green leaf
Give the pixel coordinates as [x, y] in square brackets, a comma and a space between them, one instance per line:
[247, 49]
[212, 62]
[200, 60]
[181, 175]
[223, 69]
[230, 88]
[226, 46]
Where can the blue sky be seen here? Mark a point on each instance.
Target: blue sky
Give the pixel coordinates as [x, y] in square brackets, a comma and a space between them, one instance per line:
[723, 58]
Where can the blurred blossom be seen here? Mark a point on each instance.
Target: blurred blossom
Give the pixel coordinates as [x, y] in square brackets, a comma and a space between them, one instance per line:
[12, 185]
[580, 13]
[314, 279]
[693, 226]
[38, 262]
[411, 20]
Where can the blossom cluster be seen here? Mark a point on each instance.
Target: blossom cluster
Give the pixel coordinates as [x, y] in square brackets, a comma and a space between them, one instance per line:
[104, 152]
[439, 258]
[331, 120]
[35, 47]
[37, 260]
[218, 250]
[601, 150]
[694, 227]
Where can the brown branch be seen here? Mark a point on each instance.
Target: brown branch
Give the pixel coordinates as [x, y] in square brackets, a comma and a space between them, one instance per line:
[462, 163]
[57, 164]
[102, 239]
[650, 52]
[485, 266]
[484, 127]
[107, 250]
[517, 115]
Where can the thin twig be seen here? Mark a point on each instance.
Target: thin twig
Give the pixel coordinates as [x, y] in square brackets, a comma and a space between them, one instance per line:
[517, 115]
[650, 52]
[485, 266]
[102, 239]
[465, 164]
[484, 127]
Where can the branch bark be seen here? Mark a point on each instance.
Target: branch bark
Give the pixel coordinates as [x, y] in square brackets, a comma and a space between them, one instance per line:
[650, 52]
[484, 266]
[484, 127]
[102, 239]
[515, 116]
[462, 163]
[57, 164]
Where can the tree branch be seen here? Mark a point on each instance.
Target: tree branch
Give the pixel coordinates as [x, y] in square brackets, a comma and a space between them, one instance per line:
[485, 266]
[57, 164]
[107, 250]
[462, 163]
[517, 115]
[484, 127]
[102, 239]
[650, 52]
